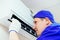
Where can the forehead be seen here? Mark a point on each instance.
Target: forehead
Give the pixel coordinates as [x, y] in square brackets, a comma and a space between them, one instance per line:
[37, 19]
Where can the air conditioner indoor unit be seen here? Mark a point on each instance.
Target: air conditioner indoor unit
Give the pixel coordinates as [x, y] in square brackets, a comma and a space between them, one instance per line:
[23, 14]
[26, 28]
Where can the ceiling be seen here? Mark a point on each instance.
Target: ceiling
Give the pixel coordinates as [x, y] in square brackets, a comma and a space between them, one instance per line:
[36, 5]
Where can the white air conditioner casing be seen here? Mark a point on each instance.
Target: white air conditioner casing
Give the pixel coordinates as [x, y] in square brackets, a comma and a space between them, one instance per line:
[22, 12]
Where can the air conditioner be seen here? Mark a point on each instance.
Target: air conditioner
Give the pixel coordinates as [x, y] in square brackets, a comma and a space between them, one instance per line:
[24, 15]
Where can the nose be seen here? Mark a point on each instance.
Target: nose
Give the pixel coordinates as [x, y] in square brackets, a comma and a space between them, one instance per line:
[35, 28]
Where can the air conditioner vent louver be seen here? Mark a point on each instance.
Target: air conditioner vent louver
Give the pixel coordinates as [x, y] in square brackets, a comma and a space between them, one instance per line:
[25, 26]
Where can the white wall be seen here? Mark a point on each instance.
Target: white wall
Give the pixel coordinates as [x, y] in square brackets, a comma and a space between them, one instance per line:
[3, 33]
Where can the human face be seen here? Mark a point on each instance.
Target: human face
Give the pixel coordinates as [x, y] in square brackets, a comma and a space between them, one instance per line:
[39, 25]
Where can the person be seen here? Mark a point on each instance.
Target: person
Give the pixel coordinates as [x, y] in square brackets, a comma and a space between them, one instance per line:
[44, 25]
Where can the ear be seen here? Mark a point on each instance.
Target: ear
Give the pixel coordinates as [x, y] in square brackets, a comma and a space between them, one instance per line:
[47, 20]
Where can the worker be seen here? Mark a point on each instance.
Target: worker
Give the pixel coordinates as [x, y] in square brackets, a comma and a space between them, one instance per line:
[44, 25]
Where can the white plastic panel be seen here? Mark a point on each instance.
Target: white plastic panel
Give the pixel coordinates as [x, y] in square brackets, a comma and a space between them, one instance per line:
[22, 11]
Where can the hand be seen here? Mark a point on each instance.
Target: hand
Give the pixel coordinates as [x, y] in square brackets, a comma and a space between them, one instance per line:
[15, 25]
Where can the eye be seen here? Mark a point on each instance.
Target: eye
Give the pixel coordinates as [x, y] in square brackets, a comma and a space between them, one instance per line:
[35, 22]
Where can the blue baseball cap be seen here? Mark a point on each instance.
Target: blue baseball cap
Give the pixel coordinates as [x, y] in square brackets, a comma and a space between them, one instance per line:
[44, 14]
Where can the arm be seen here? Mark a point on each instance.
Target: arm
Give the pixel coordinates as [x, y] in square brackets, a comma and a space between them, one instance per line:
[13, 36]
[14, 30]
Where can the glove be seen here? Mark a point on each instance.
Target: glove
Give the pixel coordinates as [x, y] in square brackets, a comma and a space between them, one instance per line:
[15, 25]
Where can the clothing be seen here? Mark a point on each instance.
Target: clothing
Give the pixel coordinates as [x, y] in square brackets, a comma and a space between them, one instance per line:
[44, 14]
[15, 26]
[52, 32]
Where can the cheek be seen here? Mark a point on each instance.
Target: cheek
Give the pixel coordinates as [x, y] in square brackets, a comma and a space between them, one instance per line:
[40, 26]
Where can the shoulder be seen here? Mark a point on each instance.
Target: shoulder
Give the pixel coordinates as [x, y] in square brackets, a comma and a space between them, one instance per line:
[52, 32]
[55, 27]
